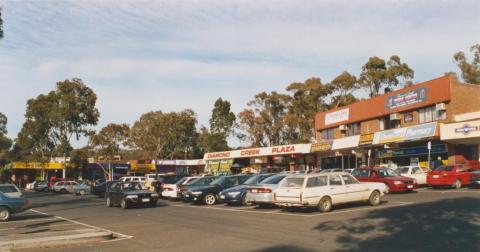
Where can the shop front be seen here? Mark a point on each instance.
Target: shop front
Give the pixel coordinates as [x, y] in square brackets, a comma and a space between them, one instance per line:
[294, 157]
[336, 154]
[414, 145]
[25, 172]
[463, 139]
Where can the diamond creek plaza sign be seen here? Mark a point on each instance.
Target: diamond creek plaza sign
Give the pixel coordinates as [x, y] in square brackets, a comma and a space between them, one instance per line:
[258, 152]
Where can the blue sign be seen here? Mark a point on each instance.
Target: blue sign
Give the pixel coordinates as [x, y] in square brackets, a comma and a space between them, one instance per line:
[414, 151]
[411, 97]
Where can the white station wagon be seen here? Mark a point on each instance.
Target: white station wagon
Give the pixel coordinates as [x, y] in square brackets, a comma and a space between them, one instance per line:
[325, 190]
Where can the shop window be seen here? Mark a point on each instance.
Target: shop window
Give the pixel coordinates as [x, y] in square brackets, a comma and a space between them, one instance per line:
[442, 115]
[353, 129]
[386, 123]
[427, 114]
[327, 133]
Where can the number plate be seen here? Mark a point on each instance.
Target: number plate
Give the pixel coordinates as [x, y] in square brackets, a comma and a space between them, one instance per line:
[436, 176]
[410, 186]
[146, 200]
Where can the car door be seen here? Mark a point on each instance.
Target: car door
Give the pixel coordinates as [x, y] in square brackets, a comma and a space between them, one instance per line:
[419, 175]
[315, 189]
[354, 191]
[336, 189]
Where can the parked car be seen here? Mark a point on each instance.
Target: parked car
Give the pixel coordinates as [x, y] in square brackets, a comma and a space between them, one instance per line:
[12, 201]
[391, 179]
[262, 194]
[64, 186]
[414, 172]
[139, 179]
[100, 188]
[454, 176]
[41, 186]
[331, 170]
[323, 191]
[82, 188]
[52, 182]
[127, 194]
[475, 178]
[202, 181]
[158, 184]
[31, 185]
[171, 191]
[238, 194]
[208, 194]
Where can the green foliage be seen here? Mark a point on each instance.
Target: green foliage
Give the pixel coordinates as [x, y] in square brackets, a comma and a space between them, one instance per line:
[343, 85]
[52, 119]
[211, 142]
[109, 141]
[470, 70]
[222, 120]
[377, 74]
[3, 124]
[165, 135]
[1, 24]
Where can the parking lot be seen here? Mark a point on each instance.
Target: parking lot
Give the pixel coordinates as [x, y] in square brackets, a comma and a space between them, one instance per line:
[441, 220]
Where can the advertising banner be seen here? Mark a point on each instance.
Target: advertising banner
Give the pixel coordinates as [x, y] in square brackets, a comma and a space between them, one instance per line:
[345, 143]
[461, 130]
[413, 151]
[405, 134]
[337, 116]
[37, 165]
[404, 99]
[258, 152]
[322, 146]
[366, 139]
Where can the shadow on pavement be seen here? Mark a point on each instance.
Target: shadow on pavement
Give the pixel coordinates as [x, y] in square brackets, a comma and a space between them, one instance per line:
[445, 225]
[282, 248]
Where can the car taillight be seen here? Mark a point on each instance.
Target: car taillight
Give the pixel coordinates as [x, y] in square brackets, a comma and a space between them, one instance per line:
[161, 185]
[264, 190]
[445, 174]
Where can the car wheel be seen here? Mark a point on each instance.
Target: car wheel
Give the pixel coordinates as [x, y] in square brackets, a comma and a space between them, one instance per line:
[82, 192]
[457, 184]
[209, 199]
[245, 202]
[109, 202]
[63, 191]
[374, 199]
[4, 214]
[124, 204]
[325, 205]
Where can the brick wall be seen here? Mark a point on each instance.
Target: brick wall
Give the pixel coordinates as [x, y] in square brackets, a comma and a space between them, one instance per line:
[465, 99]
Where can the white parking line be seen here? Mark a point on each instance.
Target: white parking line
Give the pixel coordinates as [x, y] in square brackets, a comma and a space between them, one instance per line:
[118, 235]
[278, 211]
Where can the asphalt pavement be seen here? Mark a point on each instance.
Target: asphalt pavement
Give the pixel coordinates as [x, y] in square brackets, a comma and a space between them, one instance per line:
[427, 220]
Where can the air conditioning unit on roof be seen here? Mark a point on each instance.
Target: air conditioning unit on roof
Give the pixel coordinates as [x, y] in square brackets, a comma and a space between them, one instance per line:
[440, 106]
[394, 117]
[343, 127]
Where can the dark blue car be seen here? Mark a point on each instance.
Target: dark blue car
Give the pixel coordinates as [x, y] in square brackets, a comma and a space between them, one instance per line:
[11, 201]
[236, 195]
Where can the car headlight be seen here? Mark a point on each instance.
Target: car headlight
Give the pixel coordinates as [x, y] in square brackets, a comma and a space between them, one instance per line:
[132, 197]
[397, 182]
[196, 193]
[233, 194]
[154, 195]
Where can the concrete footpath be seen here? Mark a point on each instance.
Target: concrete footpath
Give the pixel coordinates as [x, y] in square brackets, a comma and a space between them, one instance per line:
[34, 229]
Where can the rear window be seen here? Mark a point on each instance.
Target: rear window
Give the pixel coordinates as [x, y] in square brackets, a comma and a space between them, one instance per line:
[8, 189]
[361, 173]
[444, 168]
[293, 182]
[274, 179]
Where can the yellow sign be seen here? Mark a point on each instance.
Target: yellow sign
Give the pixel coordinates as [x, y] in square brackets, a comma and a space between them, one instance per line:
[322, 146]
[37, 165]
[142, 167]
[366, 139]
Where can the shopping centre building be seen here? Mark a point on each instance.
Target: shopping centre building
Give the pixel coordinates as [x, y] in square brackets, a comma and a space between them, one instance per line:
[435, 119]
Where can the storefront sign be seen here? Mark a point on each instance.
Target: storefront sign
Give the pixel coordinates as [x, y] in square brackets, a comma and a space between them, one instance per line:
[258, 152]
[37, 165]
[414, 151]
[346, 142]
[366, 139]
[337, 116]
[405, 134]
[181, 162]
[322, 146]
[461, 130]
[411, 97]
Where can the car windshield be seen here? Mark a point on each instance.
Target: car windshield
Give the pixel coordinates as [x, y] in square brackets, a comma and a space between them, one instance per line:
[387, 173]
[218, 181]
[8, 188]
[132, 187]
[255, 179]
[402, 170]
[293, 182]
[444, 168]
[181, 181]
[274, 179]
[361, 173]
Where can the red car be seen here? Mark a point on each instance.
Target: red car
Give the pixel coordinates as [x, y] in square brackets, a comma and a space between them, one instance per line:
[392, 180]
[449, 175]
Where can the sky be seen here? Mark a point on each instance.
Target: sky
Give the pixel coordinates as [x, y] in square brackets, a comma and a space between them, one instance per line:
[141, 56]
